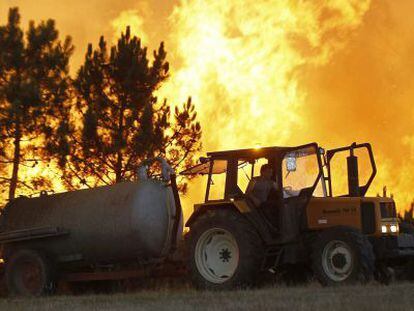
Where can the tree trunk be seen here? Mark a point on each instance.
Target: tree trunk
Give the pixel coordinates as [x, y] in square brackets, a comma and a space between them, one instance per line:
[16, 162]
[118, 168]
[118, 172]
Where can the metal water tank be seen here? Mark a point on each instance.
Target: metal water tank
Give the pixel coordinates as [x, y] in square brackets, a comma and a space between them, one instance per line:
[125, 221]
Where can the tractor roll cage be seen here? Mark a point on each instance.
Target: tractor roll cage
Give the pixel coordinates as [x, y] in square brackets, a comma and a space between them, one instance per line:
[208, 166]
[354, 189]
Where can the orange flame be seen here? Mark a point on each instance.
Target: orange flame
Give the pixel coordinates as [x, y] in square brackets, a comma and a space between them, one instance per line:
[276, 72]
[242, 64]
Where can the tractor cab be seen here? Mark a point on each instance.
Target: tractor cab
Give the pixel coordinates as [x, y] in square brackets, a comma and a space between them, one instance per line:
[297, 171]
[300, 171]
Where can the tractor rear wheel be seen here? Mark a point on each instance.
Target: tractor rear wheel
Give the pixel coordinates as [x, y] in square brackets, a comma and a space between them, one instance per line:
[342, 255]
[29, 273]
[226, 252]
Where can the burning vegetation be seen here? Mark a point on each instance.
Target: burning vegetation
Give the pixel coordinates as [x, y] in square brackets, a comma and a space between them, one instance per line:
[91, 130]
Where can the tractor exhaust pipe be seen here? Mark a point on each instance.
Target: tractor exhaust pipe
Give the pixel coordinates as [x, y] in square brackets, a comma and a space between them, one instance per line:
[353, 176]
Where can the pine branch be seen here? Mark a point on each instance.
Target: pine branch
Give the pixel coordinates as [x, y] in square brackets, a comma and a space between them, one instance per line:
[26, 185]
[81, 180]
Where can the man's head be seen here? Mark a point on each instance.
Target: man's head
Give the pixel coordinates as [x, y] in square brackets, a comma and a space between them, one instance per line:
[266, 171]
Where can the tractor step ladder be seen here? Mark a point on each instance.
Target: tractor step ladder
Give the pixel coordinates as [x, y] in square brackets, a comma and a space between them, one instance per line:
[273, 255]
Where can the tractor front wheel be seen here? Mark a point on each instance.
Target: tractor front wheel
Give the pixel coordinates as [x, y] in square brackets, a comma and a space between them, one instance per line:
[342, 255]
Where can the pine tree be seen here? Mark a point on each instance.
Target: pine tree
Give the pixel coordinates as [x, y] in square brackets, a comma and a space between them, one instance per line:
[121, 121]
[34, 89]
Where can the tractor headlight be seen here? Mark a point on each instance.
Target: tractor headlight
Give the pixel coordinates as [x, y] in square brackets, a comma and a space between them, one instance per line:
[390, 228]
[394, 228]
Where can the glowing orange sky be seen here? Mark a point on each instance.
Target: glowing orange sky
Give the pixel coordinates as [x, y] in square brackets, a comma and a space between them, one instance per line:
[350, 81]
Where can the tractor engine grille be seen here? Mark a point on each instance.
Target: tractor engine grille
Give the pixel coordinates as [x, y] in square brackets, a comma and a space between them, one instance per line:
[388, 210]
[368, 217]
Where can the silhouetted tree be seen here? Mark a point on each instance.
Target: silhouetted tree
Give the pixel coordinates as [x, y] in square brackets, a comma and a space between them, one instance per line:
[120, 121]
[408, 216]
[34, 85]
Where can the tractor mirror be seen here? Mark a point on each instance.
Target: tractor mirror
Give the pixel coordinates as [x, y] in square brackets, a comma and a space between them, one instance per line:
[291, 164]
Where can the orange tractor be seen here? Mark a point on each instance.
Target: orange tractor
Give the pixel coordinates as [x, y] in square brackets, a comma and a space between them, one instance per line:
[340, 238]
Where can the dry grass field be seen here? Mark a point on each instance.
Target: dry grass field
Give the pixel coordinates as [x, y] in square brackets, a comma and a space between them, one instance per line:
[312, 297]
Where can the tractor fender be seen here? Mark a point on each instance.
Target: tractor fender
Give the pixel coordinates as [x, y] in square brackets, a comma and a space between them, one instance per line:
[251, 215]
[200, 209]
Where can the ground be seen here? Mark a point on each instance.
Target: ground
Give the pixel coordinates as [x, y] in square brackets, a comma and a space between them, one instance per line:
[311, 297]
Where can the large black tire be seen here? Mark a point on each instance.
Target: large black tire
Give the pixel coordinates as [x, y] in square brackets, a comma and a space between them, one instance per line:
[342, 255]
[30, 273]
[236, 228]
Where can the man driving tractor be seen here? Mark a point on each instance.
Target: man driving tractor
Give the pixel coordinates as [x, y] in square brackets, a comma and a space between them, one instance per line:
[259, 190]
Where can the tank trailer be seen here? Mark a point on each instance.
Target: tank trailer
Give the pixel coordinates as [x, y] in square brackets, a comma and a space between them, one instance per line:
[105, 233]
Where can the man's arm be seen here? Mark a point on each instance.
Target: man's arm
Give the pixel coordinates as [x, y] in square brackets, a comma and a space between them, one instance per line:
[249, 192]
[250, 186]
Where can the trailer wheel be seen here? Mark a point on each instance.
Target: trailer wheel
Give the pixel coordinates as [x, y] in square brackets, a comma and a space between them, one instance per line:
[342, 255]
[225, 251]
[29, 273]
